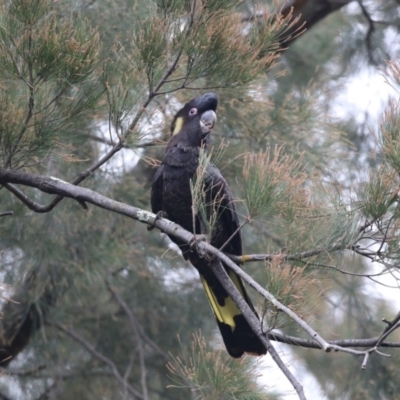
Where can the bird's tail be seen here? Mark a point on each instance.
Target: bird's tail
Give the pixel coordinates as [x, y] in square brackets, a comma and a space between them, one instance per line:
[236, 332]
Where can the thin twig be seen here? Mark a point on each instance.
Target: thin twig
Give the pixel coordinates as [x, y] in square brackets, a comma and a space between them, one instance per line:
[311, 344]
[22, 372]
[135, 325]
[19, 136]
[99, 356]
[138, 331]
[390, 328]
[32, 205]
[234, 233]
[99, 139]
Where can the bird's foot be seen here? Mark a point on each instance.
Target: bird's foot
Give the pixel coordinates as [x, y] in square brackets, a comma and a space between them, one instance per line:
[195, 241]
[160, 214]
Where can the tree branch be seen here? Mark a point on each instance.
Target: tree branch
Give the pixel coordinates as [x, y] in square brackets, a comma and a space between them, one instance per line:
[58, 187]
[136, 327]
[371, 28]
[311, 344]
[254, 323]
[22, 372]
[99, 356]
[138, 331]
[305, 14]
[32, 205]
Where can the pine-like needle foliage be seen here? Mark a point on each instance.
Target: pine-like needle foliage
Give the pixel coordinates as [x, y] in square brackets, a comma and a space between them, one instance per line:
[293, 286]
[273, 184]
[203, 206]
[47, 67]
[213, 375]
[87, 91]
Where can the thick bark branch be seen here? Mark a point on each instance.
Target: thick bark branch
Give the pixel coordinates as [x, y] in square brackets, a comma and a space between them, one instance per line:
[310, 12]
[305, 14]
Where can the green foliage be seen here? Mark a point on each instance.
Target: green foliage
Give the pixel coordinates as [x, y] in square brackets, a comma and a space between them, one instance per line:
[152, 47]
[67, 69]
[124, 90]
[293, 286]
[203, 206]
[214, 375]
[379, 192]
[390, 139]
[47, 64]
[273, 184]
[204, 43]
[331, 220]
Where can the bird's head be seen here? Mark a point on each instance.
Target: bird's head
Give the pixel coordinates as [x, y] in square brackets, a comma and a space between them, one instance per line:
[196, 119]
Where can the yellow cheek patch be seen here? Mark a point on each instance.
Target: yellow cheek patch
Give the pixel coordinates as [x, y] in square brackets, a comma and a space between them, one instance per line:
[178, 126]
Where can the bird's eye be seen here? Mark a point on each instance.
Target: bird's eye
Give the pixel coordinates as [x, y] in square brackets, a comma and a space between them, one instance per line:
[193, 111]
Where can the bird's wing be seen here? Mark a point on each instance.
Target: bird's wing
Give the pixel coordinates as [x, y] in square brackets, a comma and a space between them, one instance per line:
[235, 330]
[226, 226]
[157, 190]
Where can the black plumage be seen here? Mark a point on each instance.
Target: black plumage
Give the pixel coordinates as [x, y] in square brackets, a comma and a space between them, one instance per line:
[171, 194]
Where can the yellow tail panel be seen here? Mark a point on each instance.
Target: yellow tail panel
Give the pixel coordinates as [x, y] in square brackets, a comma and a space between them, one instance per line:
[226, 312]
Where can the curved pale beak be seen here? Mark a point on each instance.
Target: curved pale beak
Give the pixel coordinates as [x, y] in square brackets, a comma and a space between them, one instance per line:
[207, 122]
